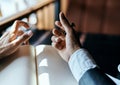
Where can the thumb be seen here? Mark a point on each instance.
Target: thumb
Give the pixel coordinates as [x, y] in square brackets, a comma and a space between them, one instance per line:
[23, 38]
[65, 23]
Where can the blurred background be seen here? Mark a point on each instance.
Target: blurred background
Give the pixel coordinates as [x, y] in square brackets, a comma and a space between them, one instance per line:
[97, 23]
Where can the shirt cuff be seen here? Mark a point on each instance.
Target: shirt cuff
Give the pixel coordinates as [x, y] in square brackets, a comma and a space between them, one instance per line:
[80, 62]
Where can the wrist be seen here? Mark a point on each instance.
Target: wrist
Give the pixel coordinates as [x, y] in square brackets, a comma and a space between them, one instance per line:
[81, 61]
[72, 52]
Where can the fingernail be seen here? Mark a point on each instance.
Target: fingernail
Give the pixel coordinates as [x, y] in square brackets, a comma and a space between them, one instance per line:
[62, 15]
[29, 32]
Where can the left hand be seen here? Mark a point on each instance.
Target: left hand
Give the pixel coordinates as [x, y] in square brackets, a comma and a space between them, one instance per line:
[11, 41]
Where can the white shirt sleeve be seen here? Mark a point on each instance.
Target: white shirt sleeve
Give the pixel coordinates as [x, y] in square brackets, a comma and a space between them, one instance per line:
[80, 62]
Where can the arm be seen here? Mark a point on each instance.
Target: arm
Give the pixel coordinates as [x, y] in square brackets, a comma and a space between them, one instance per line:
[85, 70]
[82, 65]
[10, 41]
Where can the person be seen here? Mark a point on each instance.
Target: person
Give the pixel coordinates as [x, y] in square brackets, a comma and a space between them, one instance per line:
[10, 41]
[81, 63]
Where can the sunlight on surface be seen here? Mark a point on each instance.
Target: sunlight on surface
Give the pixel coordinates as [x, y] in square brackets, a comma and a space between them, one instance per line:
[43, 63]
[44, 76]
[40, 49]
[51, 67]
[44, 79]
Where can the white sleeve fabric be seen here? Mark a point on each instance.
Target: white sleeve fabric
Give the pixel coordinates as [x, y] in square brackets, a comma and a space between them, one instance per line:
[80, 62]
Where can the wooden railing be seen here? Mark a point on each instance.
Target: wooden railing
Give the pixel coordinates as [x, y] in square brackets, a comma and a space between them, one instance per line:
[45, 11]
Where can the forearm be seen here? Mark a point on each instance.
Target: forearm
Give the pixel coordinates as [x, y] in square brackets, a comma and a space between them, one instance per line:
[95, 77]
[80, 62]
[84, 69]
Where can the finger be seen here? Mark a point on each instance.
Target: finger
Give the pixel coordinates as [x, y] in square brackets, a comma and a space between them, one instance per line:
[65, 23]
[17, 24]
[15, 29]
[23, 38]
[13, 36]
[56, 39]
[57, 32]
[26, 43]
[54, 45]
[57, 46]
[20, 32]
[61, 30]
[58, 23]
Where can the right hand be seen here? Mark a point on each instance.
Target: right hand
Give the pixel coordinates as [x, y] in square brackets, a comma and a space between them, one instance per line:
[66, 44]
[9, 43]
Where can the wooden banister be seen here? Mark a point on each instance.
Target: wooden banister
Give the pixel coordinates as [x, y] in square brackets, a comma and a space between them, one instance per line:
[6, 22]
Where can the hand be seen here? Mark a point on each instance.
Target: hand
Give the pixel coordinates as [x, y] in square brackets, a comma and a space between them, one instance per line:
[66, 44]
[11, 41]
